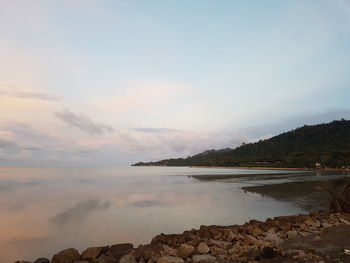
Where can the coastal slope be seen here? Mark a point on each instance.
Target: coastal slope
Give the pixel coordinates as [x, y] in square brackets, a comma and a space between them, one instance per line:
[323, 145]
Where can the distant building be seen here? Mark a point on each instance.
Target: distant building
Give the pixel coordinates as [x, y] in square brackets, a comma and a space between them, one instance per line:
[318, 165]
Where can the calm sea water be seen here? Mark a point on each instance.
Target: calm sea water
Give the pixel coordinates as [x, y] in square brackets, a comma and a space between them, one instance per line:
[44, 210]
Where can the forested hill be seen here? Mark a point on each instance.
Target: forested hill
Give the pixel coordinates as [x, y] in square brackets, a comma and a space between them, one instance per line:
[327, 144]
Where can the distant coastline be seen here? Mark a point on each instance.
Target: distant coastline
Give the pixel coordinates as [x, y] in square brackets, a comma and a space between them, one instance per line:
[324, 147]
[257, 168]
[273, 168]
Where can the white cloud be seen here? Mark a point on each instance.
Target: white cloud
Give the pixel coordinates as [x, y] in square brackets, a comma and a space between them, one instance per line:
[83, 122]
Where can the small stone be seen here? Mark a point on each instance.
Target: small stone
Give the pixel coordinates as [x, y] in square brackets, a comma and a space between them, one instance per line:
[184, 251]
[316, 239]
[203, 258]
[203, 248]
[170, 259]
[218, 251]
[42, 260]
[93, 252]
[169, 251]
[299, 254]
[128, 259]
[257, 232]
[344, 221]
[313, 223]
[326, 225]
[304, 234]
[231, 236]
[272, 236]
[66, 256]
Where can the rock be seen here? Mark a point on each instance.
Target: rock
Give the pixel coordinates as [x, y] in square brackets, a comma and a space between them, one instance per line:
[344, 221]
[218, 251]
[150, 251]
[257, 232]
[292, 234]
[105, 259]
[272, 236]
[128, 259]
[170, 259]
[231, 236]
[93, 252]
[298, 254]
[123, 246]
[66, 256]
[118, 250]
[326, 225]
[220, 243]
[169, 251]
[203, 248]
[313, 223]
[42, 260]
[316, 239]
[203, 258]
[304, 234]
[184, 251]
[250, 240]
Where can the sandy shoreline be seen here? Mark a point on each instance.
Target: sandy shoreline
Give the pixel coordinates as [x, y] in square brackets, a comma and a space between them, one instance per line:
[314, 237]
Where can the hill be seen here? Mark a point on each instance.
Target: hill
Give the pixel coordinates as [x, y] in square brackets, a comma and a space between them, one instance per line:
[327, 144]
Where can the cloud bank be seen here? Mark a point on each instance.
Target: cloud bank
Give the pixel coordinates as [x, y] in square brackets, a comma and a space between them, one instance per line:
[83, 122]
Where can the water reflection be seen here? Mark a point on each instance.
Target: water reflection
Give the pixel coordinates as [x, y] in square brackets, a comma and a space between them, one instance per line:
[79, 211]
[149, 203]
[309, 195]
[44, 210]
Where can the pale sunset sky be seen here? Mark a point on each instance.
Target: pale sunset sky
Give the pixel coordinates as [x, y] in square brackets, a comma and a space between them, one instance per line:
[115, 82]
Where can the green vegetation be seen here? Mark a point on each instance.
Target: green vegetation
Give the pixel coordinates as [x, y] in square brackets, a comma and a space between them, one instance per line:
[327, 144]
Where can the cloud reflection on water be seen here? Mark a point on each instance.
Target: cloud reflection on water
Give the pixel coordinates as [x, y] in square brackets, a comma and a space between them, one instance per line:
[149, 203]
[79, 211]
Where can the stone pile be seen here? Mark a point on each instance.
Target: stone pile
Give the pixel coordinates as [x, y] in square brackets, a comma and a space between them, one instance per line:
[252, 242]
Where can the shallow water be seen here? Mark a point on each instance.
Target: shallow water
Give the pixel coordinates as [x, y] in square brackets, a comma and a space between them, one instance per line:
[44, 210]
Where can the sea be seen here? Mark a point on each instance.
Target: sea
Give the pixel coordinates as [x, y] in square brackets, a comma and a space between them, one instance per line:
[47, 209]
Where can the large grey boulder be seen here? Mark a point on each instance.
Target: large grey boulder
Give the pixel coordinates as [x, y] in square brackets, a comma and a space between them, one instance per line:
[66, 256]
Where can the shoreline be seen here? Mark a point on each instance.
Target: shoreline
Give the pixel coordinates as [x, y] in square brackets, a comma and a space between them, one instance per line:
[314, 237]
[273, 168]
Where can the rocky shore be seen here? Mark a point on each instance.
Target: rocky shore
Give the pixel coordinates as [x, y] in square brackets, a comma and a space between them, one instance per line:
[315, 237]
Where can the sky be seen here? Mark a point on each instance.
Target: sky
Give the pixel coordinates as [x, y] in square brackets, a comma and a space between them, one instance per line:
[88, 83]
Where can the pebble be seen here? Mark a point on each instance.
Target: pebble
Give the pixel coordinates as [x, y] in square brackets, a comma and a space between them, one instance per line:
[203, 248]
[170, 259]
